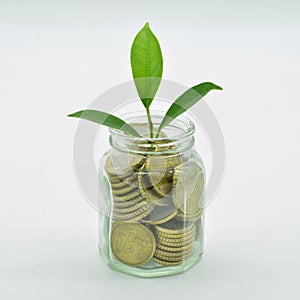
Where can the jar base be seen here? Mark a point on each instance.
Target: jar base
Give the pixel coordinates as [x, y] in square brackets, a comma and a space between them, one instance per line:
[158, 271]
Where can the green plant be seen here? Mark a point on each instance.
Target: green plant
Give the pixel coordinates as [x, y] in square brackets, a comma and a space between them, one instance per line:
[147, 68]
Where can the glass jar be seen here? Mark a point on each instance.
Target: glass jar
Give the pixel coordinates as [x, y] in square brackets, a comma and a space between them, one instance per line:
[151, 196]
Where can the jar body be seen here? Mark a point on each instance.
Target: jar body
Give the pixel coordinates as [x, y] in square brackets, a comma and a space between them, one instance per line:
[151, 217]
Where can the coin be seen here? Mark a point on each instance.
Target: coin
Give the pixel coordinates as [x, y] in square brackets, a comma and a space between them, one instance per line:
[118, 185]
[189, 189]
[176, 245]
[158, 193]
[190, 217]
[174, 236]
[132, 244]
[174, 249]
[129, 196]
[159, 216]
[130, 209]
[175, 227]
[123, 164]
[159, 169]
[156, 175]
[177, 241]
[134, 216]
[125, 190]
[127, 203]
[122, 182]
[169, 258]
[123, 204]
[147, 189]
[165, 255]
[166, 263]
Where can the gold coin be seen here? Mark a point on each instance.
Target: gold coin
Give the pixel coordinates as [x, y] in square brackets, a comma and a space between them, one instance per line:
[166, 263]
[116, 179]
[131, 200]
[119, 170]
[138, 218]
[188, 193]
[123, 204]
[111, 169]
[129, 196]
[134, 216]
[176, 245]
[164, 201]
[118, 185]
[126, 178]
[130, 209]
[153, 193]
[123, 164]
[175, 227]
[147, 190]
[128, 203]
[174, 249]
[127, 181]
[132, 244]
[158, 174]
[190, 217]
[154, 218]
[181, 241]
[124, 191]
[163, 254]
[164, 146]
[174, 236]
[168, 258]
[149, 145]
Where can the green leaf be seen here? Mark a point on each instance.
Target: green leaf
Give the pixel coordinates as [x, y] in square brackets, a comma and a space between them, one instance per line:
[106, 119]
[186, 100]
[146, 64]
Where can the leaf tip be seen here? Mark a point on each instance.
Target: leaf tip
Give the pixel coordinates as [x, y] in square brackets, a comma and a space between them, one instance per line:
[75, 115]
[214, 86]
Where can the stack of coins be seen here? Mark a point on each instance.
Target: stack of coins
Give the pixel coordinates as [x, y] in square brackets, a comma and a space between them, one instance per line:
[128, 202]
[156, 176]
[158, 192]
[188, 191]
[174, 242]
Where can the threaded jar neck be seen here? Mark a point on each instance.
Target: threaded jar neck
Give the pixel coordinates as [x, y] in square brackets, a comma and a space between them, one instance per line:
[177, 137]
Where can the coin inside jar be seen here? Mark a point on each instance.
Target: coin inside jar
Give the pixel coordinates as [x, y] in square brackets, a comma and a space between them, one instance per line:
[156, 176]
[133, 244]
[189, 189]
[175, 227]
[120, 165]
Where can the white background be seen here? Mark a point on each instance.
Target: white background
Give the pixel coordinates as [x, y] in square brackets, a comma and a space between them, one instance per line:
[58, 56]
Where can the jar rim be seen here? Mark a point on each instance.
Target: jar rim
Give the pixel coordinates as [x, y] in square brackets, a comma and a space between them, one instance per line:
[185, 124]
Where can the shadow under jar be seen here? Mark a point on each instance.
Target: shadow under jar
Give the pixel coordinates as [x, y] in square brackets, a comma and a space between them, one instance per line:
[151, 199]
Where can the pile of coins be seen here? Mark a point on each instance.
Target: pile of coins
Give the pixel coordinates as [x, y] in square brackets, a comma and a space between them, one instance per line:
[174, 242]
[128, 202]
[156, 200]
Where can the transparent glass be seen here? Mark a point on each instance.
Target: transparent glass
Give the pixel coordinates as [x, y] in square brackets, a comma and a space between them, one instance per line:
[151, 199]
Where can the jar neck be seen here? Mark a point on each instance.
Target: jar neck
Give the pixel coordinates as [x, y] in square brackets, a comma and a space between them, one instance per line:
[146, 146]
[177, 137]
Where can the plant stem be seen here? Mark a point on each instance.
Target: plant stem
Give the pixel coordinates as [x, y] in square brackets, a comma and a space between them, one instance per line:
[150, 122]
